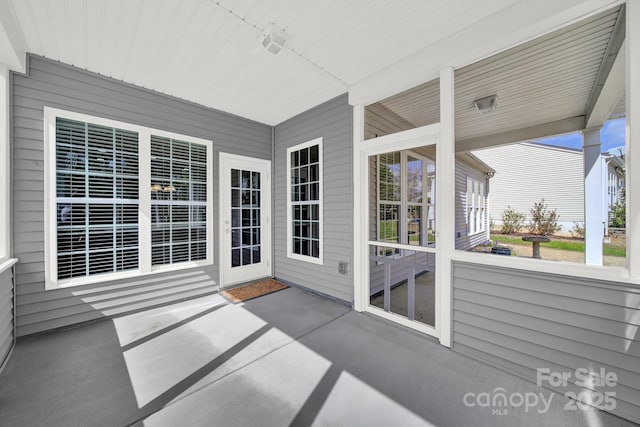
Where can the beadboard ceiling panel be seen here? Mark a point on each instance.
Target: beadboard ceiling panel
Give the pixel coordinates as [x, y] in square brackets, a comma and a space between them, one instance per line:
[542, 81]
[545, 80]
[207, 51]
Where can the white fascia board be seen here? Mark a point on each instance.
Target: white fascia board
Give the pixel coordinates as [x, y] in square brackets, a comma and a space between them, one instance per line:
[611, 94]
[13, 51]
[507, 28]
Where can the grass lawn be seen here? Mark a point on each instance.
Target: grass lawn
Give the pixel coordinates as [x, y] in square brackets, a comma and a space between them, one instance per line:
[561, 244]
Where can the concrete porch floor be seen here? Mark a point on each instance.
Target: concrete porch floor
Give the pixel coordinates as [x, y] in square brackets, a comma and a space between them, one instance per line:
[289, 358]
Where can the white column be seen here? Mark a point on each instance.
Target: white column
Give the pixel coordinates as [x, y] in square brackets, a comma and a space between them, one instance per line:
[445, 206]
[5, 162]
[593, 190]
[632, 179]
[360, 215]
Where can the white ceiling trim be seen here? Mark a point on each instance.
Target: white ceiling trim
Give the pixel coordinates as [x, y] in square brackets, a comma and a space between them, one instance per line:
[612, 93]
[13, 52]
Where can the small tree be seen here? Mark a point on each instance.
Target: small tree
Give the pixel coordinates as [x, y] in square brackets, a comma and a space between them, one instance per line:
[577, 230]
[512, 220]
[618, 214]
[543, 221]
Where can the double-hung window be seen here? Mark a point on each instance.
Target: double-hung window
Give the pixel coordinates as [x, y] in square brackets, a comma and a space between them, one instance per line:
[304, 201]
[123, 199]
[406, 186]
[476, 203]
[97, 199]
[178, 201]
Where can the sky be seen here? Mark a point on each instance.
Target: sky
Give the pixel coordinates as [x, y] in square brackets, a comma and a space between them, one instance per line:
[612, 135]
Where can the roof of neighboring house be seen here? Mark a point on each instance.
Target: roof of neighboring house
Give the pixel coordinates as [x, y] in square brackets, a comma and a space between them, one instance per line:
[475, 162]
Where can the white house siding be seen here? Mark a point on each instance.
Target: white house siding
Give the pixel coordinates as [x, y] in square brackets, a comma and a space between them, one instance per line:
[53, 84]
[333, 121]
[528, 172]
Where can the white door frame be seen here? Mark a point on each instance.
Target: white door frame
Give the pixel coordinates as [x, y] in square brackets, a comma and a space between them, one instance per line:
[426, 135]
[227, 162]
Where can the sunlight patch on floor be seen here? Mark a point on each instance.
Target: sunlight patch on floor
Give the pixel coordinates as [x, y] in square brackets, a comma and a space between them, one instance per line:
[270, 341]
[157, 365]
[136, 326]
[354, 400]
[271, 390]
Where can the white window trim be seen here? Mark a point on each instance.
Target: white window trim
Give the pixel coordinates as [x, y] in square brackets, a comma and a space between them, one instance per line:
[290, 254]
[404, 203]
[477, 212]
[144, 201]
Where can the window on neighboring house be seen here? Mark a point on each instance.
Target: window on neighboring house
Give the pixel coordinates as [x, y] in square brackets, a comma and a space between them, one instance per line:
[476, 203]
[304, 200]
[124, 199]
[406, 185]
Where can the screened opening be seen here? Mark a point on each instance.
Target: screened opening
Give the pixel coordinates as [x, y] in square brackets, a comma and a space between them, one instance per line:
[552, 139]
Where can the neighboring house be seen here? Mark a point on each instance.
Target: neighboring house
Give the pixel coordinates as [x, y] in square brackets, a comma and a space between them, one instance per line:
[242, 165]
[529, 172]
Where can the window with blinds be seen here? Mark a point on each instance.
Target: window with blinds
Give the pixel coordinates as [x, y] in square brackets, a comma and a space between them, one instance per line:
[178, 201]
[96, 199]
[123, 199]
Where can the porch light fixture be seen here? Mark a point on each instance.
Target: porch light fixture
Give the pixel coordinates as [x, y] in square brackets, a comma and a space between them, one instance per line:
[272, 39]
[486, 104]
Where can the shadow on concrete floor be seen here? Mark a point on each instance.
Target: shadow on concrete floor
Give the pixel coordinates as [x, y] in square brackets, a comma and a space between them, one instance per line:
[289, 358]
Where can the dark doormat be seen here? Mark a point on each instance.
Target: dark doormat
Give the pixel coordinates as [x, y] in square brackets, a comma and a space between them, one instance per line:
[254, 290]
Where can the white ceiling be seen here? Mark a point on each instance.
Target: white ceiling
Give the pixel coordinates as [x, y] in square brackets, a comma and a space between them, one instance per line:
[207, 51]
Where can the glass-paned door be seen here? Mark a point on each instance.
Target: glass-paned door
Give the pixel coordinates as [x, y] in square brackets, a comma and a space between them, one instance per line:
[245, 211]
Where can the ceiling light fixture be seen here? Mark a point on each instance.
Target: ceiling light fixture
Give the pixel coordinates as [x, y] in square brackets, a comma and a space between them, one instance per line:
[486, 104]
[272, 39]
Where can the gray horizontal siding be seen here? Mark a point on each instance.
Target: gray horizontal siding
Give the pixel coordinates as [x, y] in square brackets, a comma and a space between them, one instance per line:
[465, 241]
[333, 122]
[6, 313]
[53, 84]
[520, 321]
